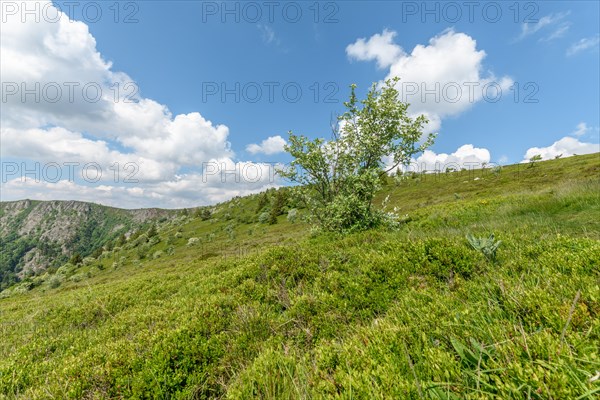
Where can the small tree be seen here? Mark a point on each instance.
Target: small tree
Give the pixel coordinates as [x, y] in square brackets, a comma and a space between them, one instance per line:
[121, 240]
[277, 207]
[340, 177]
[263, 200]
[152, 231]
[534, 159]
[204, 213]
[76, 259]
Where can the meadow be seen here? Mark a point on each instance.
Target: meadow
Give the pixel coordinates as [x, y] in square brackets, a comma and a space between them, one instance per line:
[219, 303]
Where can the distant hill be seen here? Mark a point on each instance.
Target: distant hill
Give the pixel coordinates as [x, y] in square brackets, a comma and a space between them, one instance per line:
[35, 235]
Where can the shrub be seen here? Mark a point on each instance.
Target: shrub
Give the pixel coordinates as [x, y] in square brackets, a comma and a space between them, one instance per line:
[157, 254]
[55, 281]
[264, 217]
[292, 215]
[193, 241]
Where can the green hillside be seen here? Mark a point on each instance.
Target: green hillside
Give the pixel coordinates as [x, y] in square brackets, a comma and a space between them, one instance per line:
[37, 235]
[222, 303]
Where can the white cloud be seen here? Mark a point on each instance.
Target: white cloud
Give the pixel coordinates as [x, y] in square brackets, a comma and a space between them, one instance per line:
[583, 45]
[380, 47]
[564, 147]
[528, 29]
[441, 79]
[117, 127]
[581, 130]
[271, 145]
[466, 156]
[559, 32]
[221, 180]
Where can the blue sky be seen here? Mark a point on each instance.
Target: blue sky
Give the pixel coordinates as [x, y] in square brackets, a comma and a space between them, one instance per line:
[175, 51]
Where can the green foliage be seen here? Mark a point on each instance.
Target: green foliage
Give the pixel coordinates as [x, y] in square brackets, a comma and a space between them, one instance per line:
[121, 240]
[277, 208]
[264, 217]
[340, 177]
[534, 159]
[263, 200]
[55, 281]
[76, 259]
[152, 232]
[203, 213]
[292, 215]
[409, 314]
[487, 246]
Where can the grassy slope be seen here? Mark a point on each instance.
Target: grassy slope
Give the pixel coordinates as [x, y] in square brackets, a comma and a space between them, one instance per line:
[270, 312]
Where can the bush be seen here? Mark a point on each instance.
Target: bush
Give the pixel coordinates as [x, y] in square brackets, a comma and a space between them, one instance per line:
[55, 281]
[264, 217]
[157, 254]
[292, 215]
[76, 259]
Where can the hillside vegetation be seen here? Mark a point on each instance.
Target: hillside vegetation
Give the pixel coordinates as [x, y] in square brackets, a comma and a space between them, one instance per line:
[244, 301]
[37, 235]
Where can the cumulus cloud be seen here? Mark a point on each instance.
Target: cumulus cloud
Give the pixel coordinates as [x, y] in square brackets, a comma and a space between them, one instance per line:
[63, 102]
[583, 45]
[271, 145]
[441, 79]
[379, 47]
[182, 191]
[565, 147]
[466, 156]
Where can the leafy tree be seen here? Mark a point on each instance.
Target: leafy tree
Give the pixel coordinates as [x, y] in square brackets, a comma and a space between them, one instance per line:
[339, 177]
[121, 240]
[152, 231]
[76, 259]
[203, 213]
[263, 200]
[97, 253]
[277, 208]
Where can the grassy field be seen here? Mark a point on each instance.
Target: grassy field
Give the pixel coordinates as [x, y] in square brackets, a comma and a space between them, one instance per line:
[231, 308]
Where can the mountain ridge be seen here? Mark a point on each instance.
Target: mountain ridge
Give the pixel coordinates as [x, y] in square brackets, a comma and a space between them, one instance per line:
[36, 235]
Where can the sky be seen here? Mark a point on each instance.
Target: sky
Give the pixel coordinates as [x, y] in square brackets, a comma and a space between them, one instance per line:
[178, 104]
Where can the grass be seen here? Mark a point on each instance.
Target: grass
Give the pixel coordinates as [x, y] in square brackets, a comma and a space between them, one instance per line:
[273, 312]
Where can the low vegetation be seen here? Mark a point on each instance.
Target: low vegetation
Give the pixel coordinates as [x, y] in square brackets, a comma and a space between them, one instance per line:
[269, 310]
